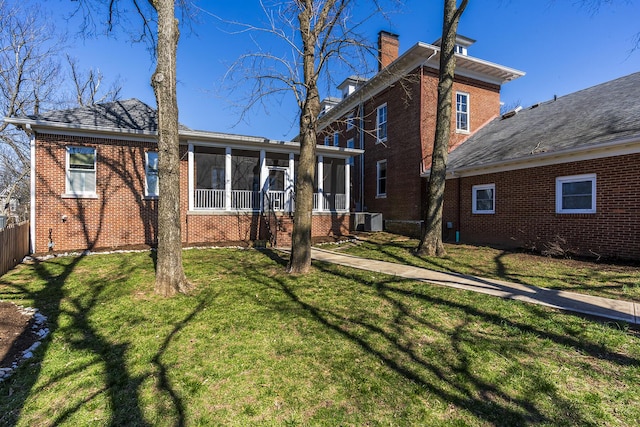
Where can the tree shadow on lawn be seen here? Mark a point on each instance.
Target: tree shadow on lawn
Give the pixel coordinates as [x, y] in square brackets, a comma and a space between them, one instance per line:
[81, 335]
[454, 380]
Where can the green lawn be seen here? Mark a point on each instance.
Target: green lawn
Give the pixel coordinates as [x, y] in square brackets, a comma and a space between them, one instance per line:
[618, 281]
[253, 346]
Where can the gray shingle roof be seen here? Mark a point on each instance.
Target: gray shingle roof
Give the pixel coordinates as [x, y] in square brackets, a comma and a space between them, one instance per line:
[597, 115]
[131, 114]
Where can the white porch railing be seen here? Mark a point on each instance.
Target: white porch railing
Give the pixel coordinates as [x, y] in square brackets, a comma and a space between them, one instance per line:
[208, 199]
[250, 200]
[245, 200]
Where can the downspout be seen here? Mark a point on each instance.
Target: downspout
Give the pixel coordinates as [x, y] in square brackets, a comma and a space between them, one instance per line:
[32, 190]
[458, 213]
[361, 137]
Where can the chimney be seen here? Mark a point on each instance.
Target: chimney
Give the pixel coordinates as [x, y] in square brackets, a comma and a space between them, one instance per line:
[388, 47]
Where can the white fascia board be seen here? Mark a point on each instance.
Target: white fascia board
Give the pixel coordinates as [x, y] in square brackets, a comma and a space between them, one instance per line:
[610, 149]
[68, 129]
[420, 54]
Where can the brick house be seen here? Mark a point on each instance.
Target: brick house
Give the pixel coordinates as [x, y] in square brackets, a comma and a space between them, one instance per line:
[94, 182]
[391, 116]
[559, 176]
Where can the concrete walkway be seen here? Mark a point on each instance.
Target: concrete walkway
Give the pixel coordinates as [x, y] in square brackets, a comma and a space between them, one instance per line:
[579, 303]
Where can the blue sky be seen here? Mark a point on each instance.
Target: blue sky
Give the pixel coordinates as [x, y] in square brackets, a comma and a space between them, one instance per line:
[562, 45]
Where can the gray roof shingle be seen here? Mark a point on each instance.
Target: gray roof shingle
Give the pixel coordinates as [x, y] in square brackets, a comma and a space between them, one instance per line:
[597, 115]
[130, 114]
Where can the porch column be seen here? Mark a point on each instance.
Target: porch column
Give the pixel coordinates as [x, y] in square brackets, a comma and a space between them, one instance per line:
[290, 195]
[320, 169]
[227, 179]
[264, 176]
[347, 184]
[190, 179]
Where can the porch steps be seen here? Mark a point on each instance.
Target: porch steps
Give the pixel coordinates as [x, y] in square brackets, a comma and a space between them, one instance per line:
[279, 228]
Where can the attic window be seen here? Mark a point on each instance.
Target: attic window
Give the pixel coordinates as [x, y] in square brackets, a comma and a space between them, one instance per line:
[460, 50]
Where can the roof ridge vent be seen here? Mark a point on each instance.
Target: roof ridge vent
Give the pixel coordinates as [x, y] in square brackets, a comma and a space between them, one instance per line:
[511, 113]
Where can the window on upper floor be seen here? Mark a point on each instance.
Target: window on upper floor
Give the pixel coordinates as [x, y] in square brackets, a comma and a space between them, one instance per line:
[462, 112]
[350, 144]
[81, 171]
[381, 178]
[327, 140]
[576, 194]
[381, 123]
[350, 121]
[151, 173]
[484, 199]
[336, 139]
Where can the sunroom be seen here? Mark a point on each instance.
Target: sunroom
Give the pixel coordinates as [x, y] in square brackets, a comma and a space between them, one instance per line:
[239, 174]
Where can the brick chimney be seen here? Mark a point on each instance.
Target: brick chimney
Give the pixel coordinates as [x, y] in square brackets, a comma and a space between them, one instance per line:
[388, 47]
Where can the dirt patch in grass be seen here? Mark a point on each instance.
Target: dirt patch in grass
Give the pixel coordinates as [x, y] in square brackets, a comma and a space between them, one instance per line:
[15, 333]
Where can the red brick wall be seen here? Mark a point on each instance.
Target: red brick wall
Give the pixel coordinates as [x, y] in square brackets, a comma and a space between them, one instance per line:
[120, 215]
[411, 106]
[525, 209]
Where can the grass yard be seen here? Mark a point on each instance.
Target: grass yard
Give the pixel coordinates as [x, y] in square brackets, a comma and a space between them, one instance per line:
[618, 281]
[253, 346]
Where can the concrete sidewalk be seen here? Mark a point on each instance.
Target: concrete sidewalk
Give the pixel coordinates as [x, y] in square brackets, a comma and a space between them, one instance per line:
[579, 303]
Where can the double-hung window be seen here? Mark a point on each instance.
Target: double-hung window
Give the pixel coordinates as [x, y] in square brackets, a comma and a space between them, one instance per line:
[326, 140]
[81, 171]
[381, 123]
[350, 121]
[576, 194]
[151, 173]
[381, 181]
[462, 112]
[336, 139]
[484, 199]
[350, 144]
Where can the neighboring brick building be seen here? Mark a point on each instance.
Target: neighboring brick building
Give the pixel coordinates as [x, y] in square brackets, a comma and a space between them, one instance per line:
[392, 117]
[94, 182]
[560, 176]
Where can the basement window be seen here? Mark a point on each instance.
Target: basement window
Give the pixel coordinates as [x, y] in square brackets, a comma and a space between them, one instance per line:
[484, 199]
[576, 194]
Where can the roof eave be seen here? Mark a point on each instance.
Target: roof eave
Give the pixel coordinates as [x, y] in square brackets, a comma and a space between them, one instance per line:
[622, 146]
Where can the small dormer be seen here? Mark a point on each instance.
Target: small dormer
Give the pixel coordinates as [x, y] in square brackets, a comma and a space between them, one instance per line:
[462, 43]
[350, 85]
[327, 104]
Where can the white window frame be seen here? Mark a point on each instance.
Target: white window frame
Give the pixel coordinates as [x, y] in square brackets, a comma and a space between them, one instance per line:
[146, 175]
[336, 139]
[474, 197]
[379, 123]
[380, 194]
[350, 144]
[575, 178]
[350, 121]
[69, 171]
[465, 113]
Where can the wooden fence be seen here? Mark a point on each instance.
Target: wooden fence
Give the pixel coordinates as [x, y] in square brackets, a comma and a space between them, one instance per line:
[14, 245]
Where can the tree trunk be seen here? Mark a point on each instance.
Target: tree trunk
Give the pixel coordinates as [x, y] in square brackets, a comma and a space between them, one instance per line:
[170, 277]
[300, 260]
[431, 242]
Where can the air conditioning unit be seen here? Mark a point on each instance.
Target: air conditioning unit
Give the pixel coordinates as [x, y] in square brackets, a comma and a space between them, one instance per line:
[367, 221]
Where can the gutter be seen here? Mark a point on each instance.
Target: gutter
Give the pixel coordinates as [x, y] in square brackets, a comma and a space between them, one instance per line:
[619, 147]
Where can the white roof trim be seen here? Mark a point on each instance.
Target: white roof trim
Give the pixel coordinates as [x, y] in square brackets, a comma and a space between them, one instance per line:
[419, 54]
[620, 147]
[196, 137]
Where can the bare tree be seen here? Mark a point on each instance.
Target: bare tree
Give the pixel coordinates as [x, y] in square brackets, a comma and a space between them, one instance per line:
[317, 34]
[159, 14]
[88, 85]
[431, 242]
[29, 78]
